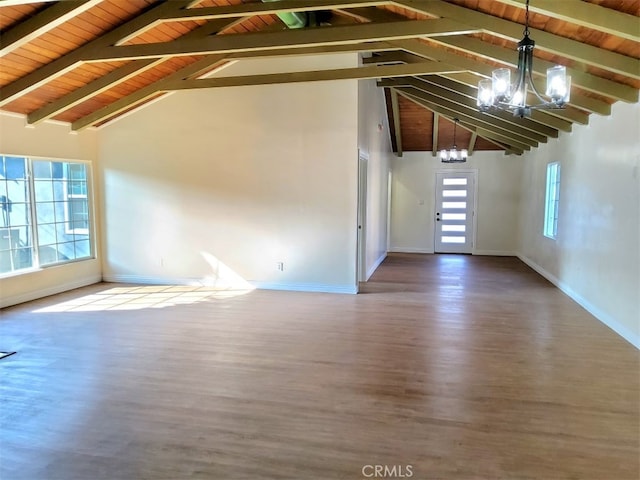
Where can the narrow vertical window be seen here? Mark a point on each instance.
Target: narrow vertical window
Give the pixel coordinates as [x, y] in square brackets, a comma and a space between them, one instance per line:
[552, 200]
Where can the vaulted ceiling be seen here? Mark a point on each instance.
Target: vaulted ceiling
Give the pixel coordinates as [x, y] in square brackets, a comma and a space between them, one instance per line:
[87, 62]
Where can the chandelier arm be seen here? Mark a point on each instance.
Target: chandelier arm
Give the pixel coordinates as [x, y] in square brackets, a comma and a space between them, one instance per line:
[530, 78]
[518, 85]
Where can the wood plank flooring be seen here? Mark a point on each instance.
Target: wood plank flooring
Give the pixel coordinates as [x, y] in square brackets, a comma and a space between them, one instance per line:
[458, 367]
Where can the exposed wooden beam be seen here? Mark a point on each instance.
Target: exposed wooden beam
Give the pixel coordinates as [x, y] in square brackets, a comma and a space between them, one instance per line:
[93, 88]
[508, 150]
[573, 49]
[498, 140]
[71, 60]
[42, 22]
[147, 92]
[390, 119]
[467, 84]
[390, 57]
[356, 73]
[526, 127]
[519, 133]
[586, 14]
[472, 143]
[250, 9]
[559, 117]
[424, 50]
[504, 138]
[532, 123]
[395, 108]
[579, 78]
[11, 3]
[198, 68]
[434, 134]
[452, 111]
[115, 77]
[283, 39]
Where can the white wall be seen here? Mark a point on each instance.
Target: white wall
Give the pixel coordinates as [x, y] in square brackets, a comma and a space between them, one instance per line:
[49, 140]
[374, 142]
[205, 183]
[596, 256]
[413, 201]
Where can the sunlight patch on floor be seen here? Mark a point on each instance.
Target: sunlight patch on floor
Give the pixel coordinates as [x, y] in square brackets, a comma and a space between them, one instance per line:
[139, 297]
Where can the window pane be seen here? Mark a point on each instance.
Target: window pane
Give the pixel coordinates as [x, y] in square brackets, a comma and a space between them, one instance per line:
[77, 171]
[83, 249]
[42, 170]
[14, 168]
[45, 212]
[454, 204]
[43, 190]
[77, 188]
[454, 228]
[47, 255]
[18, 191]
[453, 239]
[454, 181]
[552, 199]
[66, 251]
[454, 193]
[6, 261]
[15, 237]
[47, 234]
[454, 216]
[57, 169]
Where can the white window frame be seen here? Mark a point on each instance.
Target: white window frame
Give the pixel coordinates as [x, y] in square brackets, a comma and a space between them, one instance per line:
[33, 226]
[552, 200]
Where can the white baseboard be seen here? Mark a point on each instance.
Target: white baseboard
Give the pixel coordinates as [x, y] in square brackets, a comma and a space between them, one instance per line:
[293, 287]
[409, 250]
[376, 264]
[45, 292]
[495, 253]
[613, 324]
[306, 287]
[152, 280]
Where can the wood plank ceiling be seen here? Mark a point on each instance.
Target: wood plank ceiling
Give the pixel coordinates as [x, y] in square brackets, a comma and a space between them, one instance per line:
[87, 62]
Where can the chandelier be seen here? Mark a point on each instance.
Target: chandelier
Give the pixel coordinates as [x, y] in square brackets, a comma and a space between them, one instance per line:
[453, 155]
[500, 94]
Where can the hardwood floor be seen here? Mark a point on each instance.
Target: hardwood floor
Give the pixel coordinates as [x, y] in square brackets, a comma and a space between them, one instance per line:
[446, 367]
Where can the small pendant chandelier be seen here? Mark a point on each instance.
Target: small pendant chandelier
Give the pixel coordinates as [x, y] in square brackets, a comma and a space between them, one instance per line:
[453, 155]
[500, 94]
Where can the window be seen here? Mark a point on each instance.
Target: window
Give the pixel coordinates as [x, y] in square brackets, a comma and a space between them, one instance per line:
[552, 200]
[45, 213]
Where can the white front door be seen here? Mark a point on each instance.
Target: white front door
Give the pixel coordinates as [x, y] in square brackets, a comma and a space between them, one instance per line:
[454, 230]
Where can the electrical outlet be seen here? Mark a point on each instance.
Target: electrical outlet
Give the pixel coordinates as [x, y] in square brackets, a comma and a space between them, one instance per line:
[280, 266]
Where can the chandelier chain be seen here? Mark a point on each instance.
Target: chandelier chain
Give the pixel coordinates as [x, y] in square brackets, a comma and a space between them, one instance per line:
[526, 19]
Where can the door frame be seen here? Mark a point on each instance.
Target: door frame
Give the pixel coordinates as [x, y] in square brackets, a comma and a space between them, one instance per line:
[474, 217]
[361, 227]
